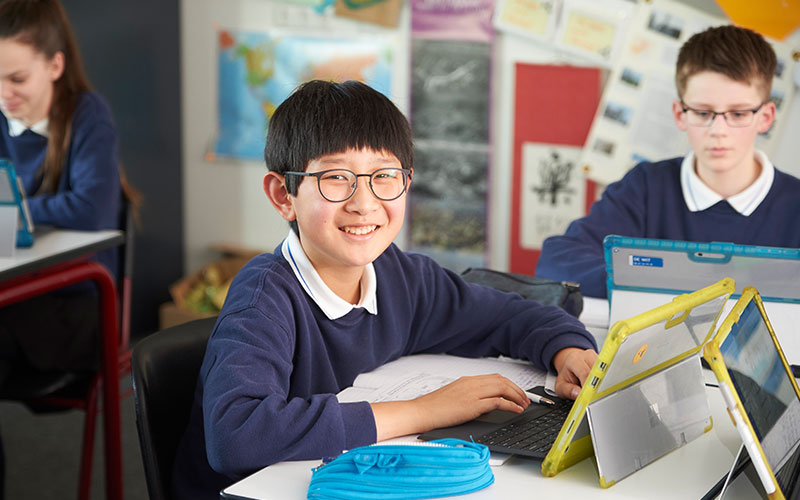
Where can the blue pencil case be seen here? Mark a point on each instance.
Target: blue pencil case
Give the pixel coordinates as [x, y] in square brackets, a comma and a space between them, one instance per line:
[433, 469]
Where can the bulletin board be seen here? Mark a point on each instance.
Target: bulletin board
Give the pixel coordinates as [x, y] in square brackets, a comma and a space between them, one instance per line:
[554, 108]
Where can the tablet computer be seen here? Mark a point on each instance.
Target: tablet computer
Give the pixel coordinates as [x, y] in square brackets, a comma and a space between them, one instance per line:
[640, 271]
[673, 267]
[760, 392]
[613, 413]
[12, 193]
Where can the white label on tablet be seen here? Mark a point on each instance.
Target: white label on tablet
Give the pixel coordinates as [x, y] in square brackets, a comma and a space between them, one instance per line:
[645, 261]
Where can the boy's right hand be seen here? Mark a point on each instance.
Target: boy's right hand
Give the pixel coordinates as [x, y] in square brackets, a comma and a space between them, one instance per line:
[468, 398]
[457, 402]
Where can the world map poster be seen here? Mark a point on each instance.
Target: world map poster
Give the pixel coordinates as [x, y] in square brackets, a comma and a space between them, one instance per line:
[257, 71]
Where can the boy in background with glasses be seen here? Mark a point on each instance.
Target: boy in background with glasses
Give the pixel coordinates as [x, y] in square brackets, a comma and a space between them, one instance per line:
[723, 190]
[338, 298]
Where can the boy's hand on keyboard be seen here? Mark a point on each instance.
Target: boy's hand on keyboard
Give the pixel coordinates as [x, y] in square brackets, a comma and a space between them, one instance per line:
[573, 366]
[469, 397]
[457, 402]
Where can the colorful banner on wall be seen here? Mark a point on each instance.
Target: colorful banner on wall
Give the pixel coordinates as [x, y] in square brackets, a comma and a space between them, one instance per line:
[257, 71]
[464, 20]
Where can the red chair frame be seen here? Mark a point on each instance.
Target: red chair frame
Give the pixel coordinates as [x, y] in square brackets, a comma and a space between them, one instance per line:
[115, 361]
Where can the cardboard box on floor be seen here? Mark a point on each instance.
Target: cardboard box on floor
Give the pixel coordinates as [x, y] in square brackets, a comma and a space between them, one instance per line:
[202, 293]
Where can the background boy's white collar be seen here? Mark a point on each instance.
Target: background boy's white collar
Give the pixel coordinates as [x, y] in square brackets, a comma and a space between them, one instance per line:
[16, 127]
[699, 197]
[331, 304]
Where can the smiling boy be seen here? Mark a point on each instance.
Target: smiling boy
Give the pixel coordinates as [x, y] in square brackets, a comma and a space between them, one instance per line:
[723, 190]
[337, 298]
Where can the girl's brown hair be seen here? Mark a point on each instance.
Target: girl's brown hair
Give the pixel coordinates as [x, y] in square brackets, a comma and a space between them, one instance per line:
[43, 25]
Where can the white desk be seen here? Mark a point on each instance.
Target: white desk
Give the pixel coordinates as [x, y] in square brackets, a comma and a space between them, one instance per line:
[688, 472]
[54, 246]
[60, 258]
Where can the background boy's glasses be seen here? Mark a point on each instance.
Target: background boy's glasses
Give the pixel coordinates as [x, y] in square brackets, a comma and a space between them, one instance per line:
[340, 184]
[734, 117]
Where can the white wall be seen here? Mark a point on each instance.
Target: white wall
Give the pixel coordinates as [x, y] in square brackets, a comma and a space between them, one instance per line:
[223, 201]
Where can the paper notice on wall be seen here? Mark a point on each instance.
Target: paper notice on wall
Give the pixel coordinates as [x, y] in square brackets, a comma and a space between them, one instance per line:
[594, 30]
[528, 18]
[553, 191]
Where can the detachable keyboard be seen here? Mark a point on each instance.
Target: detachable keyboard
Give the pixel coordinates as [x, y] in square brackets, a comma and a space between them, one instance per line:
[530, 435]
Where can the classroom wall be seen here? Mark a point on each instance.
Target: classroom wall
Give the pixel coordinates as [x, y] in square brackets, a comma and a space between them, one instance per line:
[223, 200]
[131, 55]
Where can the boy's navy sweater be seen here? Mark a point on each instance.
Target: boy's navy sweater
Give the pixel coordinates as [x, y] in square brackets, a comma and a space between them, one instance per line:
[274, 363]
[88, 194]
[648, 203]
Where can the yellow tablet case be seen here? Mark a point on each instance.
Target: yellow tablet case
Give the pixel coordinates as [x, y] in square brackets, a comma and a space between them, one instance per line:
[647, 377]
[713, 355]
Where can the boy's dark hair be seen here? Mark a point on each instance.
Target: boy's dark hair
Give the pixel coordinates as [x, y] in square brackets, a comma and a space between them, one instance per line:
[738, 53]
[321, 118]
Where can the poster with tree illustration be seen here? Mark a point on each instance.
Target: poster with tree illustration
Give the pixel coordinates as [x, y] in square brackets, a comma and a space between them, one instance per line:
[553, 191]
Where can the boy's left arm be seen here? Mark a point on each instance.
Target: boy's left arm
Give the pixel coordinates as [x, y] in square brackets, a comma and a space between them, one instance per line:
[473, 320]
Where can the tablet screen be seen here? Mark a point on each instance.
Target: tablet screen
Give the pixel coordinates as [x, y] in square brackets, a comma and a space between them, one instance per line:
[764, 385]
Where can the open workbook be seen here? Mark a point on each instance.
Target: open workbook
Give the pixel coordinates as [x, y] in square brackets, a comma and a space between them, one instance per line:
[412, 376]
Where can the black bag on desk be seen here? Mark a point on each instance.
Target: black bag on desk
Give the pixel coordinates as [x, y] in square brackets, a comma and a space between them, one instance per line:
[563, 294]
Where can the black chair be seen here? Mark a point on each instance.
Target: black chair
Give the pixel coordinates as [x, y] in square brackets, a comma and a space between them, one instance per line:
[165, 366]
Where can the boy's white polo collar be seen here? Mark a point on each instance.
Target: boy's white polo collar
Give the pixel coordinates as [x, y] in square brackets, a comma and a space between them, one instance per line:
[699, 197]
[331, 304]
[16, 127]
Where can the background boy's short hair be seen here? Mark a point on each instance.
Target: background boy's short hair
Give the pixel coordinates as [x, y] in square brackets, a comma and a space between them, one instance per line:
[740, 54]
[322, 118]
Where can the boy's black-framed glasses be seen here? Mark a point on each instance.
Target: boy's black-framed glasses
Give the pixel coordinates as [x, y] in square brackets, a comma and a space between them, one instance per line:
[733, 117]
[339, 184]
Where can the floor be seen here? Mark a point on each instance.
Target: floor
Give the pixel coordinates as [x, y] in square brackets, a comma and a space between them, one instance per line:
[43, 453]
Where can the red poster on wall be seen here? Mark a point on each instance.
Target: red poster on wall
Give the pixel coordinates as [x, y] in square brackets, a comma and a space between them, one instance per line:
[553, 112]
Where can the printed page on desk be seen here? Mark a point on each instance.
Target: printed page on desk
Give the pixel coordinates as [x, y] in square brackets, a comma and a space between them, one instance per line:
[412, 376]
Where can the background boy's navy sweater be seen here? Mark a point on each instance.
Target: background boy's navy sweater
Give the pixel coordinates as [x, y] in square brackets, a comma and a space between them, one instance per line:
[89, 193]
[267, 388]
[648, 203]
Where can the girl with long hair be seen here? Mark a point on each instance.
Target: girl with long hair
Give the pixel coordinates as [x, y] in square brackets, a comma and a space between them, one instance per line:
[61, 138]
